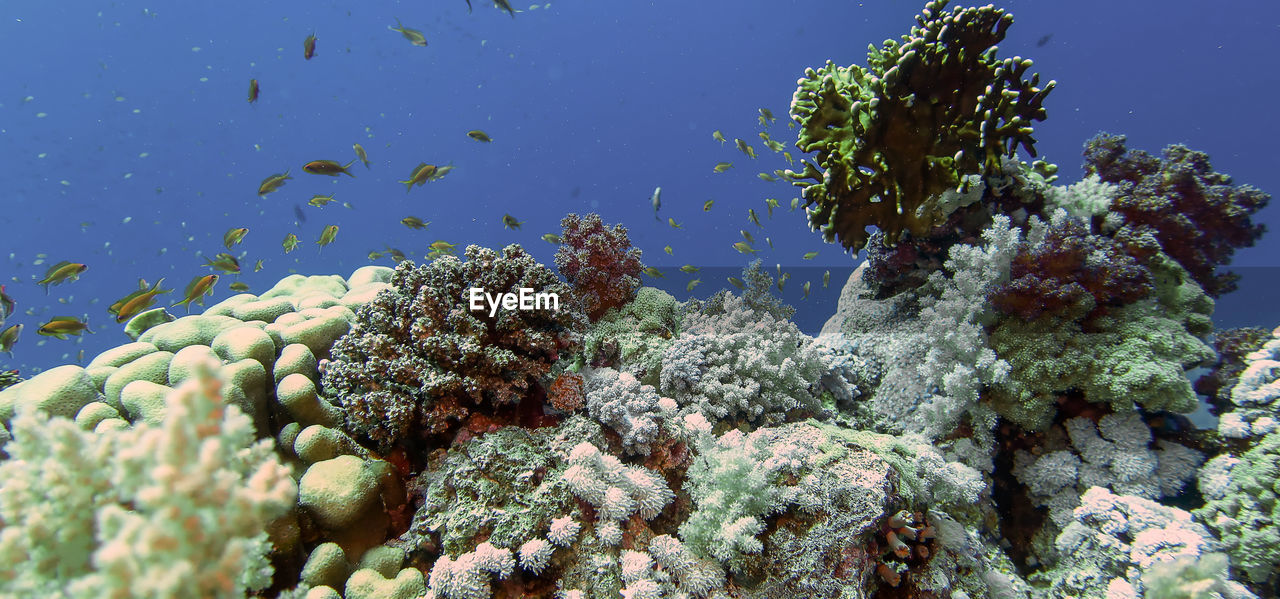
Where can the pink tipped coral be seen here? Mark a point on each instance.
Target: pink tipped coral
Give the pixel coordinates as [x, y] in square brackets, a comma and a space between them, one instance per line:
[599, 262]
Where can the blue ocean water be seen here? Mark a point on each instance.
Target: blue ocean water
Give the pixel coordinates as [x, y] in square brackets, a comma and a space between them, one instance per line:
[129, 144]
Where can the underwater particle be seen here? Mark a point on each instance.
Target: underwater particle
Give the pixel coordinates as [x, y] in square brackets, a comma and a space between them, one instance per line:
[309, 47]
[42, 155]
[144, 154]
[128, 175]
[126, 220]
[510, 222]
[196, 48]
[65, 182]
[328, 168]
[479, 135]
[254, 90]
[327, 235]
[41, 115]
[414, 36]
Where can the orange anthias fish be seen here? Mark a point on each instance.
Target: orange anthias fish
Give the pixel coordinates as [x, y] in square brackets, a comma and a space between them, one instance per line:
[273, 183]
[60, 273]
[133, 304]
[61, 326]
[309, 47]
[420, 175]
[328, 167]
[196, 290]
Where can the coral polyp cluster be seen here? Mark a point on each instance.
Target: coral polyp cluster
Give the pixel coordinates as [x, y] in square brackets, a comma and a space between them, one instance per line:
[420, 357]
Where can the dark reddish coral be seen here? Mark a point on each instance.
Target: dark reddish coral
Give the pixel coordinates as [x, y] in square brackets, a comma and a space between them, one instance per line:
[1195, 214]
[1071, 272]
[566, 392]
[418, 358]
[599, 262]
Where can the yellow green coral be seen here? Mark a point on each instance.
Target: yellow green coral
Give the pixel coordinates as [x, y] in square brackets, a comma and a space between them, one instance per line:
[924, 113]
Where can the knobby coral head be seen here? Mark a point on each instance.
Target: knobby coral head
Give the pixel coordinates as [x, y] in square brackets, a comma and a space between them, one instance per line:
[420, 357]
[924, 113]
[599, 262]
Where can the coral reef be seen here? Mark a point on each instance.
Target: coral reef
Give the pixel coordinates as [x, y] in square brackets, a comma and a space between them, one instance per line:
[419, 357]
[892, 137]
[176, 509]
[1194, 213]
[599, 262]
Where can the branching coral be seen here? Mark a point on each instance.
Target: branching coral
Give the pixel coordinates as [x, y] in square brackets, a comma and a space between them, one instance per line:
[599, 263]
[418, 356]
[1067, 269]
[175, 509]
[927, 111]
[1242, 505]
[632, 337]
[1135, 355]
[743, 363]
[1194, 213]
[1255, 398]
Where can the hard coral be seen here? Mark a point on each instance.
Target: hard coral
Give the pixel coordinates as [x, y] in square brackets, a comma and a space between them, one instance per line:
[418, 356]
[1196, 215]
[599, 262]
[921, 116]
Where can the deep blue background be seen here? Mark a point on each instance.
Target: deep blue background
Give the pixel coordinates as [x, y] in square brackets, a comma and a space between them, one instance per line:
[590, 106]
